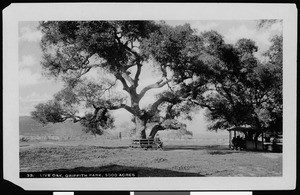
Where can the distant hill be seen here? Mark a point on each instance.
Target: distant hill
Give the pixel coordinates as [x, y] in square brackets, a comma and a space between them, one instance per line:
[29, 127]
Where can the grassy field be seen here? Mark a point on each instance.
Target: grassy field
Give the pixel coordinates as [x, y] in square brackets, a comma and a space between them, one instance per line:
[179, 158]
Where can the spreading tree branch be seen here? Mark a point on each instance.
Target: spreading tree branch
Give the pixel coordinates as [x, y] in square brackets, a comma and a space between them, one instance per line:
[227, 94]
[123, 81]
[137, 74]
[126, 107]
[162, 100]
[113, 107]
[71, 116]
[201, 104]
[125, 46]
[126, 76]
[158, 84]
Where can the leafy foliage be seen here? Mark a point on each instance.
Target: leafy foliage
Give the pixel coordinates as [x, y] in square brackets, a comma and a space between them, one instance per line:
[71, 49]
[226, 79]
[96, 124]
[174, 47]
[199, 70]
[50, 111]
[240, 90]
[68, 45]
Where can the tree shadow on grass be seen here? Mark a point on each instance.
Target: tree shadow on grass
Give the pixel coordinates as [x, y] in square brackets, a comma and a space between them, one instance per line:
[141, 171]
[107, 147]
[195, 147]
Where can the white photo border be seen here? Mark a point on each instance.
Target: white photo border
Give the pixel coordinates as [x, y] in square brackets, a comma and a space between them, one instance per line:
[147, 11]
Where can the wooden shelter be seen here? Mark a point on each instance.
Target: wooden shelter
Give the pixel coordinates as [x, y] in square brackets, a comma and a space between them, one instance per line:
[252, 142]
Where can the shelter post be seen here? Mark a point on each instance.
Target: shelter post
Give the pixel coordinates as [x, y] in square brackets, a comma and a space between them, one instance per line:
[230, 138]
[262, 140]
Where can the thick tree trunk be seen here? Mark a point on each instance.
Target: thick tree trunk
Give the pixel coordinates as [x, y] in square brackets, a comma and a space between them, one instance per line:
[256, 139]
[154, 130]
[140, 128]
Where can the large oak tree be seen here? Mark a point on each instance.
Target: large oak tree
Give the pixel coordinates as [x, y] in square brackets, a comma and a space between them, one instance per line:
[196, 70]
[237, 89]
[71, 49]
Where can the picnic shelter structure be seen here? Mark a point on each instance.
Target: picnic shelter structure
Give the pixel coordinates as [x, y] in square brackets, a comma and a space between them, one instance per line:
[254, 139]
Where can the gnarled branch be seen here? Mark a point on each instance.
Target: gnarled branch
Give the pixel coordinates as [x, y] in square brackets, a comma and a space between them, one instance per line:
[123, 81]
[202, 104]
[126, 107]
[162, 100]
[158, 84]
[126, 76]
[137, 74]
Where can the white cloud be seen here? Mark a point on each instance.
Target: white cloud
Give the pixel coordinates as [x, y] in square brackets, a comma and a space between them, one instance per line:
[29, 73]
[236, 33]
[199, 25]
[26, 77]
[27, 61]
[277, 26]
[26, 108]
[28, 102]
[35, 97]
[30, 35]
[204, 27]
[261, 37]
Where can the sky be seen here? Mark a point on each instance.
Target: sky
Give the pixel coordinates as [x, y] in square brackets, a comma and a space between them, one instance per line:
[35, 88]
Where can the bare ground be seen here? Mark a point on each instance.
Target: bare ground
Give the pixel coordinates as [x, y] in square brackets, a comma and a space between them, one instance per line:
[179, 158]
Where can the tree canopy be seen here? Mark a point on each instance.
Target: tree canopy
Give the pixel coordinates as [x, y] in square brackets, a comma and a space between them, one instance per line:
[197, 70]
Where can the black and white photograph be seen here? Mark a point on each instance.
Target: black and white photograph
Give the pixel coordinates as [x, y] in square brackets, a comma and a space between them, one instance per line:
[130, 99]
